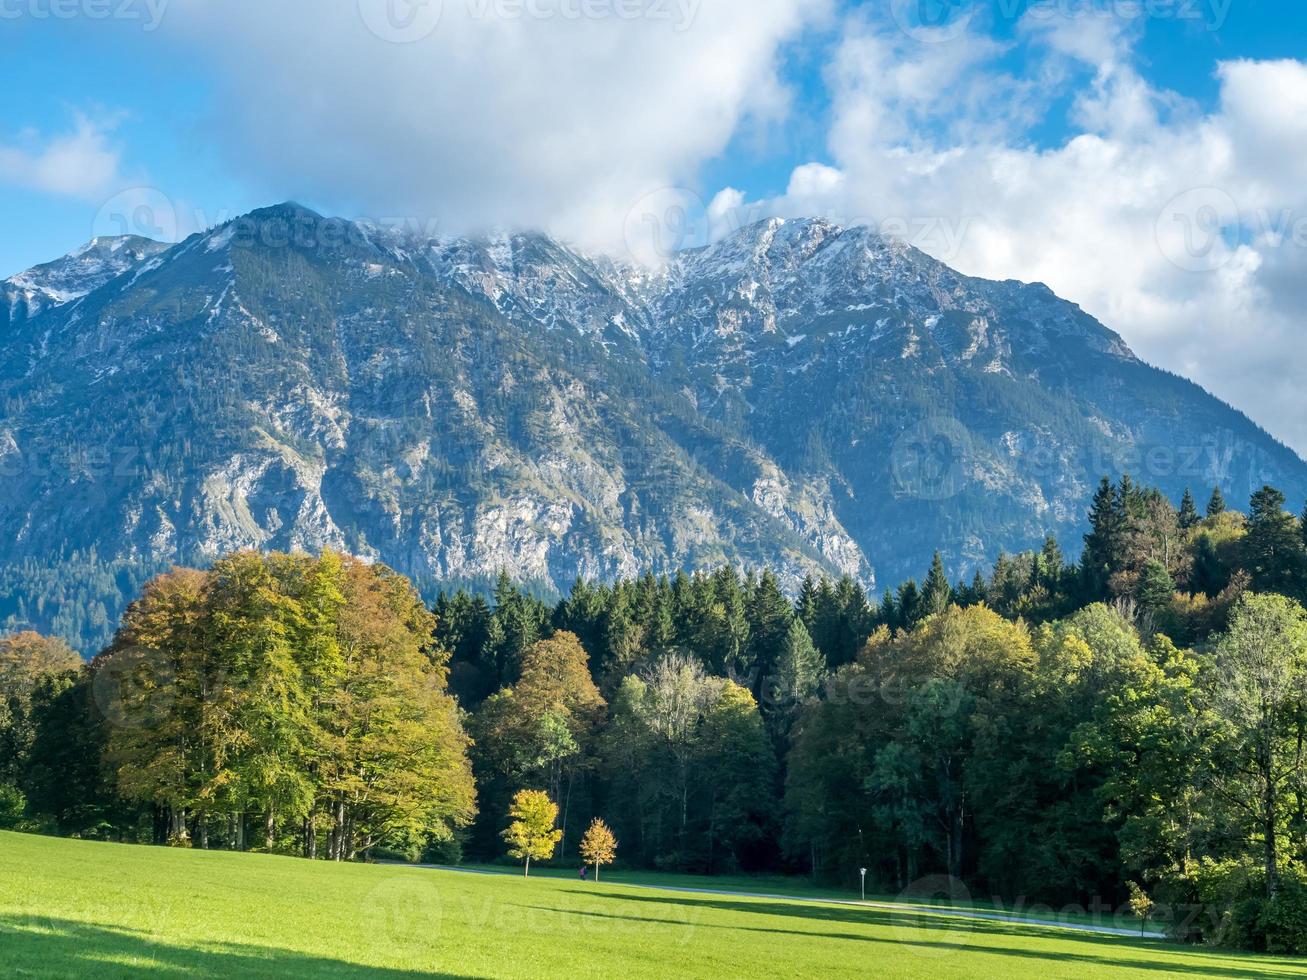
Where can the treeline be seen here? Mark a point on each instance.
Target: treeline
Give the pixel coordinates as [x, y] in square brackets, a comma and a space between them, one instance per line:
[279, 703]
[1126, 727]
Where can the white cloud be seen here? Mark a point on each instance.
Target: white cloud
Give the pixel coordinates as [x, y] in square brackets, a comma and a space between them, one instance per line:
[1175, 227]
[550, 113]
[79, 163]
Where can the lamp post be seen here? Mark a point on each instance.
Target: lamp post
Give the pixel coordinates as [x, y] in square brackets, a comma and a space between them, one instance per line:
[862, 872]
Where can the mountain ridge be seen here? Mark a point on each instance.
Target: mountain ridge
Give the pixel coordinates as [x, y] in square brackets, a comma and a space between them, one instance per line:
[818, 399]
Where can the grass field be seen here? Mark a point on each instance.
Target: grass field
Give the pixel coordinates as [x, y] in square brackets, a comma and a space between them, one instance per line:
[80, 909]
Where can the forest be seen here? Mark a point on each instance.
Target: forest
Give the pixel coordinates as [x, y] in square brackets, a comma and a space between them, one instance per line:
[1128, 727]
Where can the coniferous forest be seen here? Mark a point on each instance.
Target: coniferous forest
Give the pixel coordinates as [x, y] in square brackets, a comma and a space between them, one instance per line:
[1125, 727]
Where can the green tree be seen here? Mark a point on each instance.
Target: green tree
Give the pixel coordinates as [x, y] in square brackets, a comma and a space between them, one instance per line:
[800, 668]
[1188, 516]
[1216, 504]
[26, 661]
[532, 833]
[1258, 688]
[937, 593]
[1156, 587]
[1273, 548]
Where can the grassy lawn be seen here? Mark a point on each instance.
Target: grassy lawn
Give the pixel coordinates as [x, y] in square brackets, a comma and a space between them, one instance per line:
[77, 909]
[795, 887]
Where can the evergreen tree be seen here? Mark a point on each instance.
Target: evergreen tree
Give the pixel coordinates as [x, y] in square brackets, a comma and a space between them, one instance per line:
[1105, 542]
[937, 594]
[909, 604]
[797, 677]
[889, 612]
[806, 605]
[1273, 549]
[769, 615]
[1156, 587]
[1216, 505]
[1188, 517]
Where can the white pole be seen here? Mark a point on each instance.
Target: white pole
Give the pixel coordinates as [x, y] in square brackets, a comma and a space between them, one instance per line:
[863, 873]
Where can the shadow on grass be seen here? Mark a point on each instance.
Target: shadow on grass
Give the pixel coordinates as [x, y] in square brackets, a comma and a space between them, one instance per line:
[943, 934]
[44, 947]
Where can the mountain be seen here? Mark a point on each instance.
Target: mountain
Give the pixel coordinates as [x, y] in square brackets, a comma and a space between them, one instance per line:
[56, 283]
[813, 398]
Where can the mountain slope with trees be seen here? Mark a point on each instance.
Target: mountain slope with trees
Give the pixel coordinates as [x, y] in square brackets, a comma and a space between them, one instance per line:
[812, 399]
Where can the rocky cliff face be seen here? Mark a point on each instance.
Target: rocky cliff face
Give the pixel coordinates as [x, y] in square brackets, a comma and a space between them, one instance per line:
[817, 399]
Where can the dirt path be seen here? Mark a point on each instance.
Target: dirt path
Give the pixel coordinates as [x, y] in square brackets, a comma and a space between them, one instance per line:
[888, 906]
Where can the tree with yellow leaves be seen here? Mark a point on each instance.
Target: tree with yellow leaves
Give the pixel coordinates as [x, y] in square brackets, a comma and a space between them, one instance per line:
[598, 846]
[532, 833]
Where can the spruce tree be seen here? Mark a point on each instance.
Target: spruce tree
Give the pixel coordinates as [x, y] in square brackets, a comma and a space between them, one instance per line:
[1051, 564]
[1188, 512]
[1273, 548]
[910, 611]
[1156, 587]
[937, 594]
[889, 614]
[1104, 544]
[1216, 506]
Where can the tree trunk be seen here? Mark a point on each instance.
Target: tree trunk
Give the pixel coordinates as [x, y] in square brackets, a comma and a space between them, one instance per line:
[270, 828]
[526, 871]
[567, 802]
[1272, 843]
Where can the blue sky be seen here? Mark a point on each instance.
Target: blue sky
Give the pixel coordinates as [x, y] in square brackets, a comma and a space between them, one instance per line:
[164, 99]
[1050, 141]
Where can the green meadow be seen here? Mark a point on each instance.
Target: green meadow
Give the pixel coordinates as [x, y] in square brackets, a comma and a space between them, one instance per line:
[79, 909]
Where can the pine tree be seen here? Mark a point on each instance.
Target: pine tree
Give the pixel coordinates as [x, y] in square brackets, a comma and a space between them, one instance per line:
[1104, 544]
[1188, 512]
[889, 613]
[1216, 505]
[1156, 587]
[909, 604]
[1273, 549]
[806, 606]
[1051, 564]
[798, 674]
[769, 615]
[937, 593]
